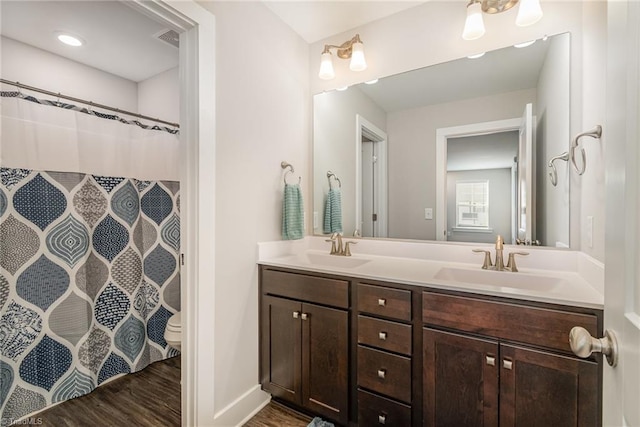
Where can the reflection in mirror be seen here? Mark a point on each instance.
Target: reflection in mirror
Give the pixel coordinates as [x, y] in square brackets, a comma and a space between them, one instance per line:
[394, 140]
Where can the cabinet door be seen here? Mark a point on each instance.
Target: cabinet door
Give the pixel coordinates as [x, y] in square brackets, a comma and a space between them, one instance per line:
[544, 389]
[281, 348]
[460, 380]
[325, 361]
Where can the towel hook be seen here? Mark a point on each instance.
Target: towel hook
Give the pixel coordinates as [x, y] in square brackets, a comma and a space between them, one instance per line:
[331, 174]
[553, 175]
[285, 165]
[596, 132]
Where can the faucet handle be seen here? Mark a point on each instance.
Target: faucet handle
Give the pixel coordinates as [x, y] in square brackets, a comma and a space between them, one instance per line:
[487, 258]
[347, 250]
[511, 263]
[333, 246]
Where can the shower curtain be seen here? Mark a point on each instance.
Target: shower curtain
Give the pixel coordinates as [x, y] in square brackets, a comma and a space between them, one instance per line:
[89, 243]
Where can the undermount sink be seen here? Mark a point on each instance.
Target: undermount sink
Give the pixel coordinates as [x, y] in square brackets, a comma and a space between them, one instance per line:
[334, 260]
[504, 279]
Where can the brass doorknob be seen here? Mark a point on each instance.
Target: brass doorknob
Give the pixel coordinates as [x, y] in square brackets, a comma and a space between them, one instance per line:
[583, 344]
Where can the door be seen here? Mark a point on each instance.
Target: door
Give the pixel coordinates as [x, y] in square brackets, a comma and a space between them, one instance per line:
[543, 389]
[525, 176]
[325, 361]
[460, 380]
[622, 279]
[281, 357]
[369, 211]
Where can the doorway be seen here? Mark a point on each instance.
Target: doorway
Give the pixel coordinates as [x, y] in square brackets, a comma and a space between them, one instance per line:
[371, 175]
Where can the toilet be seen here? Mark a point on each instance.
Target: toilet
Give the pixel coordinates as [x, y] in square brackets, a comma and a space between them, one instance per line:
[173, 333]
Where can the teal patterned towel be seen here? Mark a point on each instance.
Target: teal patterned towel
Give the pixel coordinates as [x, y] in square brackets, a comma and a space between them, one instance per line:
[333, 212]
[292, 213]
[319, 422]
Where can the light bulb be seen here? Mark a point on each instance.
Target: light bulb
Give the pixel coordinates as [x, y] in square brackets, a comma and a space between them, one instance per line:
[358, 62]
[326, 67]
[473, 26]
[529, 13]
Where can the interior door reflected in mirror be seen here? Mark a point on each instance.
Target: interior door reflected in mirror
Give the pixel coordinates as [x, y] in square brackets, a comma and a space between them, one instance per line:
[393, 140]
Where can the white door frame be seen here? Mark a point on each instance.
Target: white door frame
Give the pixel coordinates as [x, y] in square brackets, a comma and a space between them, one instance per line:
[197, 166]
[383, 187]
[442, 135]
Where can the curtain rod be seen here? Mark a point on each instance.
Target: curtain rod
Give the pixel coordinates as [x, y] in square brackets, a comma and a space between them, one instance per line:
[83, 101]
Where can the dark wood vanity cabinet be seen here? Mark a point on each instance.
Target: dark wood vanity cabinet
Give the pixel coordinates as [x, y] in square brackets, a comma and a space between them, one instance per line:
[378, 354]
[487, 380]
[305, 342]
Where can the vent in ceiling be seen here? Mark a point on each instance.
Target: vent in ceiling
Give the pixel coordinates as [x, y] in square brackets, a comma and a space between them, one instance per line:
[170, 37]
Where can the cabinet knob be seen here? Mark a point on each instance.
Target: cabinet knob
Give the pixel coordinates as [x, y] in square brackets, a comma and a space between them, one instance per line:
[382, 419]
[508, 364]
[382, 373]
[491, 361]
[382, 336]
[304, 316]
[382, 302]
[583, 344]
[296, 314]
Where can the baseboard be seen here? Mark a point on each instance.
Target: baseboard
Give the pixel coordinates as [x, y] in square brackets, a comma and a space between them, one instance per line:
[243, 408]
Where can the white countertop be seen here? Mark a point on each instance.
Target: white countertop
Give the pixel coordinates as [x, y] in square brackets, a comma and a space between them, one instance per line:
[570, 277]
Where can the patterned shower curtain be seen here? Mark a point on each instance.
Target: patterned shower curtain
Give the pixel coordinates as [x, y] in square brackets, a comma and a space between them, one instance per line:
[89, 270]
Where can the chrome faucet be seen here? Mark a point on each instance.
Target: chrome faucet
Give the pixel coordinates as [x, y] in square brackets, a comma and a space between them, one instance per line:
[336, 245]
[499, 265]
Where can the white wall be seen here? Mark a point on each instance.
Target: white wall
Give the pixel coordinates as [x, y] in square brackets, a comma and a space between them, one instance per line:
[334, 147]
[159, 96]
[263, 117]
[431, 33]
[36, 67]
[552, 132]
[412, 154]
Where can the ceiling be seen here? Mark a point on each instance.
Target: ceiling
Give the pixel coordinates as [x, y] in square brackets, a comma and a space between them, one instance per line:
[317, 20]
[499, 71]
[122, 41]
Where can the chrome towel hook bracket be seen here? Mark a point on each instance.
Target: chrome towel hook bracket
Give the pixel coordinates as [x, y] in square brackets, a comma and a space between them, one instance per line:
[596, 132]
[286, 165]
[331, 174]
[553, 175]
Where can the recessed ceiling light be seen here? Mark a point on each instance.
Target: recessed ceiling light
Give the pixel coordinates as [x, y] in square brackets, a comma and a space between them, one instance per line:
[371, 82]
[525, 44]
[69, 40]
[476, 56]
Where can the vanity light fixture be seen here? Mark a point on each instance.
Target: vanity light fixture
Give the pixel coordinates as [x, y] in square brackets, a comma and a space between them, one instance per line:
[529, 13]
[350, 49]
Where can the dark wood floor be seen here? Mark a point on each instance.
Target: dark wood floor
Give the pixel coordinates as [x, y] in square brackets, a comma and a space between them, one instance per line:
[276, 415]
[148, 398]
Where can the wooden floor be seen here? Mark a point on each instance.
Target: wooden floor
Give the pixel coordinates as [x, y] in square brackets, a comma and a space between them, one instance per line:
[150, 397]
[276, 415]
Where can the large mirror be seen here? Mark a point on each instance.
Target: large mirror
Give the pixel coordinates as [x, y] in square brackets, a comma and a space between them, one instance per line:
[457, 151]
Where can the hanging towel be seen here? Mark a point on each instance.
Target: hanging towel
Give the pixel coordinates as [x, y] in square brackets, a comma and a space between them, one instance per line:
[292, 213]
[319, 422]
[333, 212]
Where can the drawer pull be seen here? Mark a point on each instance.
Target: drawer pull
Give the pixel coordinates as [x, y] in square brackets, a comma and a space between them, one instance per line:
[304, 316]
[382, 302]
[382, 336]
[296, 314]
[382, 419]
[491, 361]
[508, 364]
[382, 373]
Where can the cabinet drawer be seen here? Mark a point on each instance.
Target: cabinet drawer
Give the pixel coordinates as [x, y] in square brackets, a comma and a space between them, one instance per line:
[385, 373]
[388, 302]
[306, 288]
[376, 410]
[538, 326]
[391, 336]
